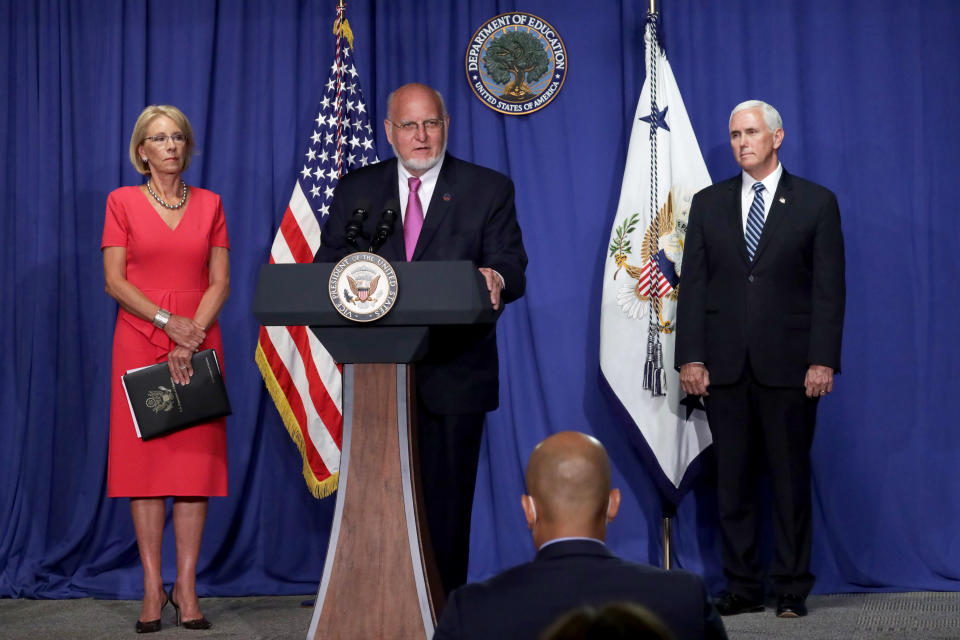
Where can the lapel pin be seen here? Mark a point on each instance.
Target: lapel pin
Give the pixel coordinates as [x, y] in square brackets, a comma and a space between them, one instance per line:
[447, 197]
[783, 200]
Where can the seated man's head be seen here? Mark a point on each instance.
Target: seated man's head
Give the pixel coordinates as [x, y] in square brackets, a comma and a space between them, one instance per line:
[568, 489]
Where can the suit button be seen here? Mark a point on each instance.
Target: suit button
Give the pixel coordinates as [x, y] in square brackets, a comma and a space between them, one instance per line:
[750, 278]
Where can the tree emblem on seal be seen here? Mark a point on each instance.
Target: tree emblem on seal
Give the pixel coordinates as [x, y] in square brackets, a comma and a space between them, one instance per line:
[518, 55]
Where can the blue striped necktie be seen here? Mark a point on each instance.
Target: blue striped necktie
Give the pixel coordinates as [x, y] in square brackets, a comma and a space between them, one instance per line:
[755, 220]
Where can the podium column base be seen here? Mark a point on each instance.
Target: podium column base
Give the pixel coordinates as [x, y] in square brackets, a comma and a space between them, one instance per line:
[377, 575]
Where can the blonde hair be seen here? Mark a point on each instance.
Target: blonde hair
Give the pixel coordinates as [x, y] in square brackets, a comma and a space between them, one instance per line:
[140, 134]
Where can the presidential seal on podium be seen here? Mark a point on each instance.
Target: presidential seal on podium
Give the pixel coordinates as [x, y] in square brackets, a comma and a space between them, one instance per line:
[363, 287]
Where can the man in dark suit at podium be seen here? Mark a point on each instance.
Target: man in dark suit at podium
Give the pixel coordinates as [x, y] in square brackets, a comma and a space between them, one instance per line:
[449, 210]
[759, 323]
[567, 507]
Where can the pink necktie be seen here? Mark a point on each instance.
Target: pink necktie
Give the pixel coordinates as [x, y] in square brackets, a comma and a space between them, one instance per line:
[413, 221]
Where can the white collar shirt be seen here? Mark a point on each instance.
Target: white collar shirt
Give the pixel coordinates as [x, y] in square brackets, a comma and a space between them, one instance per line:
[428, 182]
[769, 189]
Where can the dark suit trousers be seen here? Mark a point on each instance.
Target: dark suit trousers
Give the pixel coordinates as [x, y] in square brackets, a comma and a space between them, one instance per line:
[449, 447]
[753, 424]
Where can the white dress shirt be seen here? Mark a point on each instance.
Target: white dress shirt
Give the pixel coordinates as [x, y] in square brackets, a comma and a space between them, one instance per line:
[769, 189]
[428, 182]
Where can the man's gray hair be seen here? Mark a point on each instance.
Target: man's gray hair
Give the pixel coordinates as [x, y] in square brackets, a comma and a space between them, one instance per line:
[770, 115]
[443, 105]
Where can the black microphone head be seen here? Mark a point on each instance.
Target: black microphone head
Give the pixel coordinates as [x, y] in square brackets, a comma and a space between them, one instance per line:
[388, 218]
[360, 212]
[352, 233]
[354, 226]
[385, 227]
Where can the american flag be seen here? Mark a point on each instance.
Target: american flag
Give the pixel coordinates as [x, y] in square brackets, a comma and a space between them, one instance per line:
[299, 373]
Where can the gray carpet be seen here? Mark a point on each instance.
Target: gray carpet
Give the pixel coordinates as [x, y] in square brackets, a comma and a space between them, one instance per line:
[89, 619]
[885, 616]
[873, 616]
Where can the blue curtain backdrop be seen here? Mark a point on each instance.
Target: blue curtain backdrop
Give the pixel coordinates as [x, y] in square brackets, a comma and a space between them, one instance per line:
[868, 90]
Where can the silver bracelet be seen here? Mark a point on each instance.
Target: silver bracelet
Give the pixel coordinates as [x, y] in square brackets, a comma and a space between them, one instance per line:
[161, 318]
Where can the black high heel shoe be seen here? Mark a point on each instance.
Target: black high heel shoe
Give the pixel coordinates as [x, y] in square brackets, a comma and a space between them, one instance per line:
[197, 624]
[152, 626]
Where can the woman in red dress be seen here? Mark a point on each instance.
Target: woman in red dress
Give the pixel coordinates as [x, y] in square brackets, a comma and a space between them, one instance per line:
[165, 261]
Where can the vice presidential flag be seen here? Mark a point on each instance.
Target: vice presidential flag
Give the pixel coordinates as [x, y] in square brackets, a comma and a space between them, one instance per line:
[643, 265]
[302, 378]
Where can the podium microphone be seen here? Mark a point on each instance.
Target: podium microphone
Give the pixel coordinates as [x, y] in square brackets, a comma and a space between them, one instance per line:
[385, 228]
[354, 228]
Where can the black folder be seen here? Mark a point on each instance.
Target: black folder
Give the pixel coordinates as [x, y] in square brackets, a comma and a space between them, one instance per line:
[160, 407]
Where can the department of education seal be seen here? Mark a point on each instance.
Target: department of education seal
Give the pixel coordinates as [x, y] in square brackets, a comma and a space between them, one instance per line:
[516, 63]
[363, 287]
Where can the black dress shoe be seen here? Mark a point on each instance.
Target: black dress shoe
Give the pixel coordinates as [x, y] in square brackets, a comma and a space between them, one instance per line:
[152, 626]
[731, 604]
[791, 606]
[197, 624]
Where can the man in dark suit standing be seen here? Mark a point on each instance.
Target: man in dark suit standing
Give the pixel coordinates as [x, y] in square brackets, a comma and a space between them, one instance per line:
[450, 210]
[568, 506]
[759, 322]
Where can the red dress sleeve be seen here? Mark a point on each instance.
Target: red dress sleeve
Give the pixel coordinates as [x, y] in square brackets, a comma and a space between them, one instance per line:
[115, 224]
[218, 231]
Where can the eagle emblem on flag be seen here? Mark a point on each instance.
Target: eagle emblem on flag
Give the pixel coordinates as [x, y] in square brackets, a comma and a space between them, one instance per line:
[632, 297]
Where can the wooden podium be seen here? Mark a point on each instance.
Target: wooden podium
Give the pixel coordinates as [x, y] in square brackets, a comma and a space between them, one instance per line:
[379, 578]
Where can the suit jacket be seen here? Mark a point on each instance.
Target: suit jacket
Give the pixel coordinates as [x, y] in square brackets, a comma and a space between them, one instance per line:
[522, 602]
[784, 310]
[471, 216]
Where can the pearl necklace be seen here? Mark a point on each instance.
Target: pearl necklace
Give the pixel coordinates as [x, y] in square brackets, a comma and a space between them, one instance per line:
[163, 202]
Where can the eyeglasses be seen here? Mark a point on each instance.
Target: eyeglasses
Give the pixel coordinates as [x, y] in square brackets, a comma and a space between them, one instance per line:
[430, 126]
[178, 138]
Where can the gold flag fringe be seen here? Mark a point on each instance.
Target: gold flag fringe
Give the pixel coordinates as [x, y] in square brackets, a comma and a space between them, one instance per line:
[318, 488]
[347, 31]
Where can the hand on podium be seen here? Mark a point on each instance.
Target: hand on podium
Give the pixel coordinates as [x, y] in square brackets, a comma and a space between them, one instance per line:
[494, 285]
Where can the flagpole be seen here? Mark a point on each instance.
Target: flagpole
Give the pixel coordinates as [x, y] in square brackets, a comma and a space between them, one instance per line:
[668, 510]
[666, 542]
